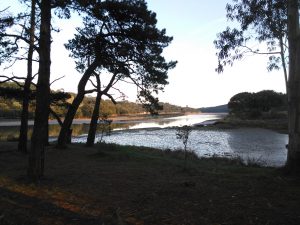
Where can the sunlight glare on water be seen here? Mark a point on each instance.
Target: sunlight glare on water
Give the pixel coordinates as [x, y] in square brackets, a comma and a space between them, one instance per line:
[258, 145]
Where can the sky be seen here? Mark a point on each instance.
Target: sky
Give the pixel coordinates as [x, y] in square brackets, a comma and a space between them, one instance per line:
[194, 25]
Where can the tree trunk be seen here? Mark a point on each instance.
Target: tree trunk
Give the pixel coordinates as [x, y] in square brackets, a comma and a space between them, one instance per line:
[37, 150]
[94, 120]
[65, 129]
[22, 144]
[283, 63]
[293, 160]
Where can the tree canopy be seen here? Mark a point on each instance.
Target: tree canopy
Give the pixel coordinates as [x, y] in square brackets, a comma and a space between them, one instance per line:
[121, 37]
[262, 21]
[119, 40]
[252, 105]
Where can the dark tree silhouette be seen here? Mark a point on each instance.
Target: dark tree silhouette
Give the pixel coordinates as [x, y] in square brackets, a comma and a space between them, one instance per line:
[37, 150]
[252, 105]
[95, 116]
[120, 37]
[22, 144]
[293, 160]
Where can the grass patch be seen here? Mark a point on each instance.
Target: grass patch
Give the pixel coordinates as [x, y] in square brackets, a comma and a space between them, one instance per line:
[276, 124]
[111, 184]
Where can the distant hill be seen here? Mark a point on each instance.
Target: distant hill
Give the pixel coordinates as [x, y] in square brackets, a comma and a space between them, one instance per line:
[215, 109]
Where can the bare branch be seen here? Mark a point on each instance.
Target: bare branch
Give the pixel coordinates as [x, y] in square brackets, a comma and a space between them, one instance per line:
[1, 11]
[122, 94]
[34, 75]
[13, 79]
[90, 91]
[94, 85]
[56, 116]
[128, 82]
[257, 52]
[56, 80]
[110, 97]
[106, 89]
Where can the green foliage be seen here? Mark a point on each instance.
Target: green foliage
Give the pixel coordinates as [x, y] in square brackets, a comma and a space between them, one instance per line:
[11, 96]
[108, 108]
[10, 105]
[253, 105]
[7, 46]
[261, 21]
[121, 38]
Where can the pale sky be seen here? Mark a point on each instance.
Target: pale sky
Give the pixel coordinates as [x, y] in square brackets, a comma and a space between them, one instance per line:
[194, 82]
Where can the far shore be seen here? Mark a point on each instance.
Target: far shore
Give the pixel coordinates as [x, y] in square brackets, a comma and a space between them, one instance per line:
[116, 119]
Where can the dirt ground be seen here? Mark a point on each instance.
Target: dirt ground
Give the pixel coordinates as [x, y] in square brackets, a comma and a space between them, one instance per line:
[110, 184]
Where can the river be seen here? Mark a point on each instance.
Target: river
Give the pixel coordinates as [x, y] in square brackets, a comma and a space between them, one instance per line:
[260, 145]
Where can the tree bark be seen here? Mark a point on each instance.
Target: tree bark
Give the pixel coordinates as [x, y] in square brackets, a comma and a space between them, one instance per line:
[95, 116]
[293, 160]
[65, 129]
[23, 137]
[37, 150]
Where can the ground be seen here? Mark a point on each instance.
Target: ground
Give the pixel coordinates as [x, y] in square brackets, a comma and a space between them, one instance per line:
[110, 184]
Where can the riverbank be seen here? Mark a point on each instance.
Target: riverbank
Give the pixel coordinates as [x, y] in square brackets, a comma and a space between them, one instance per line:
[277, 124]
[110, 184]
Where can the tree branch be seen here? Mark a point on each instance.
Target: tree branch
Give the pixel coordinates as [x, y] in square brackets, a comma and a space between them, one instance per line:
[257, 52]
[110, 97]
[19, 37]
[56, 80]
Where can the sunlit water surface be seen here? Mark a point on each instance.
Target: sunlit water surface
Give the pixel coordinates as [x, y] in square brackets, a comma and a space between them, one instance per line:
[252, 144]
[264, 146]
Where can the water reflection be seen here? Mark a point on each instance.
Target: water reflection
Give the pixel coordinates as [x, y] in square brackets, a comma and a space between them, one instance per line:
[259, 144]
[177, 121]
[263, 146]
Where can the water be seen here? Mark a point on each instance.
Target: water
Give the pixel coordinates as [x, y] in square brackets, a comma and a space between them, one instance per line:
[259, 145]
[264, 146]
[173, 121]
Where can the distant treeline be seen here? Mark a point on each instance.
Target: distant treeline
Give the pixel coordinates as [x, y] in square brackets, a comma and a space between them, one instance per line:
[11, 107]
[215, 109]
[263, 104]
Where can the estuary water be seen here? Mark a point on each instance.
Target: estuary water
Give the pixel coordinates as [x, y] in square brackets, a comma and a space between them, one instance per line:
[260, 145]
[263, 146]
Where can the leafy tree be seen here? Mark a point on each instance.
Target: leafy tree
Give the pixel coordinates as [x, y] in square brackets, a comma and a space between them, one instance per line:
[252, 105]
[40, 129]
[120, 37]
[263, 21]
[274, 21]
[7, 48]
[268, 99]
[240, 103]
[24, 33]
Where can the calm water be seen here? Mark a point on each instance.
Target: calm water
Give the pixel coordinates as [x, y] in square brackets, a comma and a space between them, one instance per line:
[264, 146]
